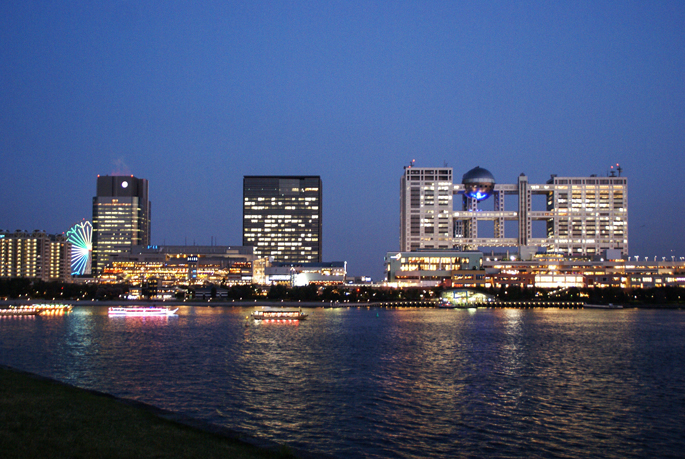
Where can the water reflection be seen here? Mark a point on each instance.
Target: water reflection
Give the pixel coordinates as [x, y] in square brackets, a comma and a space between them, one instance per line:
[388, 382]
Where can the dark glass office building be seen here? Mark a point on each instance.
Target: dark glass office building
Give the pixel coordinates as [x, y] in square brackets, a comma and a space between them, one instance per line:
[121, 217]
[282, 217]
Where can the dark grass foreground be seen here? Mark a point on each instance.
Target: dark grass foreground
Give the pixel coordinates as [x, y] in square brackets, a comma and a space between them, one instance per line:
[44, 418]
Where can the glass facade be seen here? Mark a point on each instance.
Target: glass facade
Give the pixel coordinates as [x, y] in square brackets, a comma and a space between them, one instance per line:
[121, 217]
[282, 217]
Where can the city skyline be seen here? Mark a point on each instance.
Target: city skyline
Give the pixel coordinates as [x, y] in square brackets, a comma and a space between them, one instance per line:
[193, 98]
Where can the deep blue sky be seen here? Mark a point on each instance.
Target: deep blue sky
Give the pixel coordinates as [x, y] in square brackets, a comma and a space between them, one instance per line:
[193, 97]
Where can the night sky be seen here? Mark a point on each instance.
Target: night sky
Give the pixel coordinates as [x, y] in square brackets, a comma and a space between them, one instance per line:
[193, 97]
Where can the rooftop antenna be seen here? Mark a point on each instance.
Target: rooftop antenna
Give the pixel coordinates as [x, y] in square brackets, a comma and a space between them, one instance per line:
[411, 163]
[619, 169]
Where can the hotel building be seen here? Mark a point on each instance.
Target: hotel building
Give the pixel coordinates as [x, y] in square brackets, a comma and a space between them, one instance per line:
[121, 217]
[282, 217]
[576, 215]
[35, 255]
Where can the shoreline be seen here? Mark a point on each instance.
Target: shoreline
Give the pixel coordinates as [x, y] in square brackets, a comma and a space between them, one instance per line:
[67, 404]
[324, 304]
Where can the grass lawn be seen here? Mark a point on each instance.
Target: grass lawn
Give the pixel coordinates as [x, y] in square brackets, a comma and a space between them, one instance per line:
[45, 419]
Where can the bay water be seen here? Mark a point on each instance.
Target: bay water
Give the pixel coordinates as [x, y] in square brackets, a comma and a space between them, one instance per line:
[387, 382]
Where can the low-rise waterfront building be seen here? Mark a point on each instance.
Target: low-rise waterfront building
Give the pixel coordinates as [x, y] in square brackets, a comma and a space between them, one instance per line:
[554, 272]
[543, 270]
[433, 268]
[463, 297]
[301, 274]
[166, 267]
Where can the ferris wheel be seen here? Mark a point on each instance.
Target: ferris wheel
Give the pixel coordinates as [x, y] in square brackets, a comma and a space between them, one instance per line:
[81, 238]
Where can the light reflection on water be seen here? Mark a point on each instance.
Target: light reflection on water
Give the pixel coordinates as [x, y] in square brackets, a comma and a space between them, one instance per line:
[389, 382]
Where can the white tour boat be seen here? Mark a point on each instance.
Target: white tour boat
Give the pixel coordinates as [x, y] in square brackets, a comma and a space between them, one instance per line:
[141, 311]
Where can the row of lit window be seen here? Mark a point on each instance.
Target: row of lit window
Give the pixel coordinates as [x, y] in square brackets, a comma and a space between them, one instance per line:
[274, 229]
[283, 244]
[285, 237]
[587, 241]
[278, 218]
[306, 206]
[428, 267]
[251, 200]
[273, 201]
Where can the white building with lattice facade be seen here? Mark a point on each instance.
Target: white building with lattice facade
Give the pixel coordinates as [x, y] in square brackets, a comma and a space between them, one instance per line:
[578, 215]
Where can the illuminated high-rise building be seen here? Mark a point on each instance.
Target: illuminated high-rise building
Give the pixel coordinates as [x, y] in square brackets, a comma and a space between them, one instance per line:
[574, 215]
[282, 217]
[121, 217]
[35, 255]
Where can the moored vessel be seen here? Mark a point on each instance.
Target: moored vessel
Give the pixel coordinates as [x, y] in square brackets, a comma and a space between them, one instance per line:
[279, 315]
[51, 308]
[23, 311]
[444, 303]
[602, 306]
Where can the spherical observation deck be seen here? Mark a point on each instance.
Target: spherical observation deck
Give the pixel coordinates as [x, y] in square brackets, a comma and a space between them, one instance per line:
[478, 183]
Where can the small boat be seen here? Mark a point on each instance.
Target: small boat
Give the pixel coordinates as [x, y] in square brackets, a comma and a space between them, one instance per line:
[446, 304]
[24, 311]
[279, 315]
[141, 311]
[602, 306]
